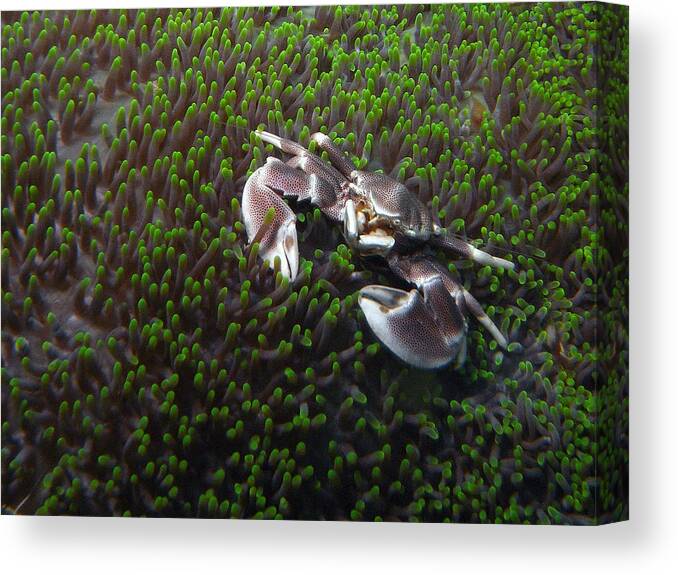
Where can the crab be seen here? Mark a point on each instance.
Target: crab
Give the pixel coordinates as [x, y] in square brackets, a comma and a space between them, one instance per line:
[424, 326]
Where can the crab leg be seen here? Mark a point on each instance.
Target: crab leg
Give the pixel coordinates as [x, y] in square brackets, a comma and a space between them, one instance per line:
[469, 251]
[427, 332]
[339, 160]
[483, 319]
[310, 164]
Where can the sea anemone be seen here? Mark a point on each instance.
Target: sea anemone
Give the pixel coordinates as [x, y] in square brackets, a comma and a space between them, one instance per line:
[152, 365]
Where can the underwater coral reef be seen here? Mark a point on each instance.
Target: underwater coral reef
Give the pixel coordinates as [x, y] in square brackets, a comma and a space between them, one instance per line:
[153, 365]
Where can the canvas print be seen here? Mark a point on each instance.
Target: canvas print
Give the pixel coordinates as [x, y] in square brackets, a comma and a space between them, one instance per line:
[361, 263]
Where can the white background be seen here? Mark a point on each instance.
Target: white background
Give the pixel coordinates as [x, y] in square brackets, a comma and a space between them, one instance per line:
[647, 543]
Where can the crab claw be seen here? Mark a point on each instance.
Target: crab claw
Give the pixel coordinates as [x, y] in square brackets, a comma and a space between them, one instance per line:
[275, 232]
[406, 324]
[284, 245]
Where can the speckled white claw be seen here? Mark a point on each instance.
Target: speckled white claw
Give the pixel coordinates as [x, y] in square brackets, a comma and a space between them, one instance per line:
[404, 324]
[277, 237]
